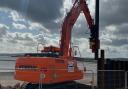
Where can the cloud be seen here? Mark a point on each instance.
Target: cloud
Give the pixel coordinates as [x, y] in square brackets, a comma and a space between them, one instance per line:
[40, 27]
[20, 36]
[122, 31]
[26, 42]
[27, 37]
[44, 17]
[113, 27]
[113, 12]
[48, 40]
[3, 29]
[115, 42]
[115, 35]
[84, 48]
[80, 29]
[19, 26]
[16, 17]
[119, 42]
[43, 11]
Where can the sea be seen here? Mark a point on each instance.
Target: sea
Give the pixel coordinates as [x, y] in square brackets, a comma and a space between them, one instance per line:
[7, 63]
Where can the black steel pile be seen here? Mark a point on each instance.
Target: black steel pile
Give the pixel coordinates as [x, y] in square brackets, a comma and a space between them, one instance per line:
[114, 74]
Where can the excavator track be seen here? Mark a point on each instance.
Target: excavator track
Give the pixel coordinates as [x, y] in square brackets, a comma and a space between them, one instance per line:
[66, 85]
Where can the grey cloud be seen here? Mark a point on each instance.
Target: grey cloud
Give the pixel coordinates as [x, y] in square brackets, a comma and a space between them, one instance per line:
[12, 41]
[30, 44]
[126, 47]
[121, 34]
[25, 38]
[119, 42]
[116, 42]
[80, 29]
[3, 30]
[40, 38]
[1, 40]
[43, 11]
[113, 12]
[19, 37]
[122, 31]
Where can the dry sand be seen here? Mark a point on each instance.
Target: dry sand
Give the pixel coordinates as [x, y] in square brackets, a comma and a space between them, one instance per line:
[7, 79]
[9, 82]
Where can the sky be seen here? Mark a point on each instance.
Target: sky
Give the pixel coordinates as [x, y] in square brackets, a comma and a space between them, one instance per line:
[25, 23]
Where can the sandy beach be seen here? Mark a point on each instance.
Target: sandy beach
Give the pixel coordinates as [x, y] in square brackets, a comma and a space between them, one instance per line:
[7, 79]
[9, 82]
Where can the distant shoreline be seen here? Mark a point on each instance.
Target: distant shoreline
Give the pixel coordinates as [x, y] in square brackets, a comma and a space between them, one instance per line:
[21, 54]
[4, 55]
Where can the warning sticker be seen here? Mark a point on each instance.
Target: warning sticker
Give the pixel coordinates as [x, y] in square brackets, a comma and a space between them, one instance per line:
[70, 66]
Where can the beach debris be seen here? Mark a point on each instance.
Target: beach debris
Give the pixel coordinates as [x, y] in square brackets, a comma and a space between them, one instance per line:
[9, 87]
[16, 86]
[23, 85]
[1, 87]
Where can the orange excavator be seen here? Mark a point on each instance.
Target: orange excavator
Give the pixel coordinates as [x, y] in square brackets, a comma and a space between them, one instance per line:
[57, 65]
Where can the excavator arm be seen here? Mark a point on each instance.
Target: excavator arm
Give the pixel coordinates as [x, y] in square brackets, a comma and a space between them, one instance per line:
[69, 21]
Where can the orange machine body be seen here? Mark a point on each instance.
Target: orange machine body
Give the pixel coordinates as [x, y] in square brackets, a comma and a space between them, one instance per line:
[47, 69]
